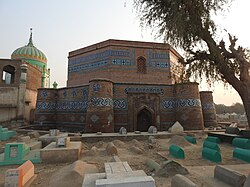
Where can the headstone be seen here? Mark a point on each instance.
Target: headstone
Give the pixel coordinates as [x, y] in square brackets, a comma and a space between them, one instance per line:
[176, 128]
[123, 130]
[20, 176]
[63, 142]
[152, 130]
[12, 178]
[54, 132]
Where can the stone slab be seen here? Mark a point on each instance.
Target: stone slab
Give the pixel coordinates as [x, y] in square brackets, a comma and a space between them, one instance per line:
[147, 181]
[182, 181]
[229, 176]
[47, 139]
[122, 175]
[117, 167]
[53, 154]
[35, 145]
[89, 179]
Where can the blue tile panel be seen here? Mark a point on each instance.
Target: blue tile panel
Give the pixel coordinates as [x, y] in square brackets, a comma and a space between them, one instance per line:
[144, 90]
[125, 58]
[44, 93]
[62, 105]
[96, 87]
[208, 106]
[101, 101]
[87, 66]
[124, 62]
[173, 103]
[160, 64]
[97, 56]
[156, 55]
[120, 104]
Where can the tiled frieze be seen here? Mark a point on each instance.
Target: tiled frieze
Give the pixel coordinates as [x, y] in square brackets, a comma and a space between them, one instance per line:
[172, 103]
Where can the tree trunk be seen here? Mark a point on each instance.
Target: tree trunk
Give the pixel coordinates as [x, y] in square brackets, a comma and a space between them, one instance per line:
[246, 102]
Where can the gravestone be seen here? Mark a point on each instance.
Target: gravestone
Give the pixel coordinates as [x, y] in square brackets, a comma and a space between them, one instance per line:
[12, 178]
[63, 142]
[123, 130]
[176, 128]
[54, 132]
[152, 130]
[24, 175]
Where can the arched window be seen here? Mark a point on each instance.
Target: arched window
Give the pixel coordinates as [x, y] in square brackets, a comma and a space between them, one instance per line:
[141, 65]
[8, 74]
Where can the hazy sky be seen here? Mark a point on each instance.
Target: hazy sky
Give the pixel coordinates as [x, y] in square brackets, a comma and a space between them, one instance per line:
[60, 26]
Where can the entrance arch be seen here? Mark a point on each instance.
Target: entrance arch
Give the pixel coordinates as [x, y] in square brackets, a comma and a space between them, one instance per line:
[144, 120]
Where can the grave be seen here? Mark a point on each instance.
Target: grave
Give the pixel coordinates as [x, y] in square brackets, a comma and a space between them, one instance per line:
[51, 137]
[229, 176]
[22, 176]
[18, 153]
[5, 134]
[118, 174]
[176, 128]
[224, 137]
[32, 143]
[176, 152]
[152, 130]
[61, 151]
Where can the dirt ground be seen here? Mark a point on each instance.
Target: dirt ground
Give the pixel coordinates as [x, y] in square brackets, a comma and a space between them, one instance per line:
[157, 151]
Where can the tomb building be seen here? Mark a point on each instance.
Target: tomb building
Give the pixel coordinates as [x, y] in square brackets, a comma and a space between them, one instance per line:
[120, 83]
[21, 76]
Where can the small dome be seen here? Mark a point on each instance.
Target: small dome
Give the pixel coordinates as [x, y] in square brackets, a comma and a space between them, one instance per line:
[30, 54]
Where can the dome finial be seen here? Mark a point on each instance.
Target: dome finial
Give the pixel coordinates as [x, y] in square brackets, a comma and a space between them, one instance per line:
[30, 40]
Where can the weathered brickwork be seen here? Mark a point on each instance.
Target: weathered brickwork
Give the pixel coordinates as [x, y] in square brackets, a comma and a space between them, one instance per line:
[116, 84]
[34, 78]
[18, 89]
[208, 109]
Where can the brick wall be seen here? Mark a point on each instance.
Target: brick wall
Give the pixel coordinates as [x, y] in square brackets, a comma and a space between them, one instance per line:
[208, 109]
[34, 78]
[117, 61]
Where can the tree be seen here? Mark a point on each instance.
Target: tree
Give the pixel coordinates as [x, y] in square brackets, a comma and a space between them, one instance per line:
[189, 24]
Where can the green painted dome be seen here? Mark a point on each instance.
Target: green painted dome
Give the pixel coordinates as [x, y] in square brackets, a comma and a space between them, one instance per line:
[30, 54]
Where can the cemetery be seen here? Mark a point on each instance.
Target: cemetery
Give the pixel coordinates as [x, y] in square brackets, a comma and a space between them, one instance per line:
[174, 158]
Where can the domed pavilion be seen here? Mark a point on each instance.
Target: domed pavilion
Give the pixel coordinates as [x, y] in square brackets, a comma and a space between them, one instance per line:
[35, 57]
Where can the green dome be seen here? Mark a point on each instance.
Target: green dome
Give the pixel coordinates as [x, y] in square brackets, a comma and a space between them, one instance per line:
[30, 54]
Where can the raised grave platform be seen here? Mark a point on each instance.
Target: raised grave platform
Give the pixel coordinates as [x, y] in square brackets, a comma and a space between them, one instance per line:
[118, 174]
[18, 153]
[224, 137]
[54, 154]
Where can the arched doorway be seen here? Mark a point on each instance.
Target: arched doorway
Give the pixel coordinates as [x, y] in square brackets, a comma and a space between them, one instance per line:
[144, 120]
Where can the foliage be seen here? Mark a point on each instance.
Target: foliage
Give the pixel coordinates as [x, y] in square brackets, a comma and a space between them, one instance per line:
[189, 24]
[237, 108]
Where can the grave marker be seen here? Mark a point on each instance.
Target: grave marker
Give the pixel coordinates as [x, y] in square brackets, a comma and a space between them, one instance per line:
[54, 132]
[63, 142]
